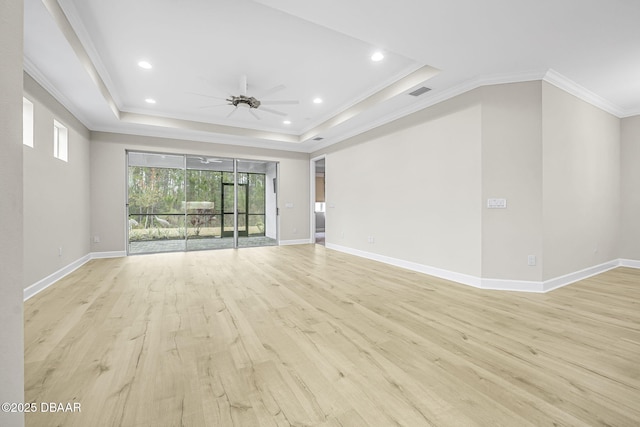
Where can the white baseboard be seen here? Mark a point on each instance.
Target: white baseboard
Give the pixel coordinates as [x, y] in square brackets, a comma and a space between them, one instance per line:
[512, 285]
[465, 279]
[43, 284]
[632, 263]
[112, 254]
[294, 242]
[551, 284]
[488, 283]
[567, 279]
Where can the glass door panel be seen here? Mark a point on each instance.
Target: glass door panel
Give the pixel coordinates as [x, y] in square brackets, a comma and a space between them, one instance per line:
[155, 193]
[204, 207]
[259, 212]
[228, 209]
[243, 202]
[178, 202]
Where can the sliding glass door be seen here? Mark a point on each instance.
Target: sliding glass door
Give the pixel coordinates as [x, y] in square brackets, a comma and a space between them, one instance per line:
[207, 177]
[178, 203]
[256, 197]
[156, 220]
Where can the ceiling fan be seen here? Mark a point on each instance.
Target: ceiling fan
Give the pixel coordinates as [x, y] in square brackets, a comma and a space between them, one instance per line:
[251, 102]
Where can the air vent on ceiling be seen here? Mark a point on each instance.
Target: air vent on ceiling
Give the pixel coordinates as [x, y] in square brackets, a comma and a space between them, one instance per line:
[420, 91]
[318, 138]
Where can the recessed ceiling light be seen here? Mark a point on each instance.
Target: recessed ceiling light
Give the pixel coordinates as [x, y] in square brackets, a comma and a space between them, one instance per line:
[145, 65]
[287, 122]
[317, 101]
[378, 56]
[150, 101]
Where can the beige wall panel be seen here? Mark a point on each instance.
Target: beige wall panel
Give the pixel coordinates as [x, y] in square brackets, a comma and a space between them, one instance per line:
[56, 193]
[630, 188]
[11, 257]
[414, 186]
[512, 169]
[108, 186]
[581, 183]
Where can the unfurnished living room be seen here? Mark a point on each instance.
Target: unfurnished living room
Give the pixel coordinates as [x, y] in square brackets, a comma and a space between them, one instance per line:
[336, 213]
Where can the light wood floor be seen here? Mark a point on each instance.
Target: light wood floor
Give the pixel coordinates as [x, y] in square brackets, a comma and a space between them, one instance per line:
[305, 336]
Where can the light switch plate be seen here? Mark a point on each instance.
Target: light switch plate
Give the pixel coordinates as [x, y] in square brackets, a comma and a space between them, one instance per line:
[497, 203]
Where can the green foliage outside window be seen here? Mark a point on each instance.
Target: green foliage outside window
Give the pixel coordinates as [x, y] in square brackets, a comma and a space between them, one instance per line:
[157, 202]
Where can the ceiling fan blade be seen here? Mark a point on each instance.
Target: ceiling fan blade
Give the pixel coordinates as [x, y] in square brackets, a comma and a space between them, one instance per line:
[270, 91]
[253, 113]
[269, 110]
[232, 111]
[288, 102]
[210, 82]
[206, 96]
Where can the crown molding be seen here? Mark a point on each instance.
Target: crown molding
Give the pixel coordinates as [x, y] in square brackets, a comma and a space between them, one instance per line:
[200, 136]
[404, 76]
[30, 68]
[68, 21]
[61, 20]
[79, 40]
[73, 16]
[436, 97]
[417, 77]
[433, 98]
[631, 114]
[569, 86]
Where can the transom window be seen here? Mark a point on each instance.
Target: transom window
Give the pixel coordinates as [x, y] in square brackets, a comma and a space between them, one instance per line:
[27, 122]
[60, 141]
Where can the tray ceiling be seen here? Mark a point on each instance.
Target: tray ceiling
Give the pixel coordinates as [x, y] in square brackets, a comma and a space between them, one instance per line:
[286, 54]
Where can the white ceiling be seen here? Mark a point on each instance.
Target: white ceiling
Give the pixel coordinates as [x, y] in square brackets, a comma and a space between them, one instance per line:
[86, 52]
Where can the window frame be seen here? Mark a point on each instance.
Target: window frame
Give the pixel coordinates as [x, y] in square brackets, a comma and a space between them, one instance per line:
[28, 123]
[60, 141]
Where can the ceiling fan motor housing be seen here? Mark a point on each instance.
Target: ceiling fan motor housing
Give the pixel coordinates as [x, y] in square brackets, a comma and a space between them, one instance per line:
[242, 99]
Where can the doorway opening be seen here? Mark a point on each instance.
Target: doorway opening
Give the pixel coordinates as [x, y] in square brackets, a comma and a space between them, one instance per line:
[187, 202]
[318, 202]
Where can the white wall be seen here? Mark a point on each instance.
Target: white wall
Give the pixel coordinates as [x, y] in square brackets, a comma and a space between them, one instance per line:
[420, 185]
[11, 317]
[108, 183]
[56, 193]
[512, 169]
[581, 183]
[630, 188]
[414, 186]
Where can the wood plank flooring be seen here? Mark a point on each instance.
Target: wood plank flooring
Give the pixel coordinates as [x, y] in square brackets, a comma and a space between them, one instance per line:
[306, 336]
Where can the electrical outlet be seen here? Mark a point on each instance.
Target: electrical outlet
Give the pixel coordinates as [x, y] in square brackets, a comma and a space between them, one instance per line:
[531, 260]
[96, 239]
[60, 251]
[371, 239]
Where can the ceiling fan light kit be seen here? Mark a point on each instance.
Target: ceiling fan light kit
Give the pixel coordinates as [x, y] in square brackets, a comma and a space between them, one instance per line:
[243, 99]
